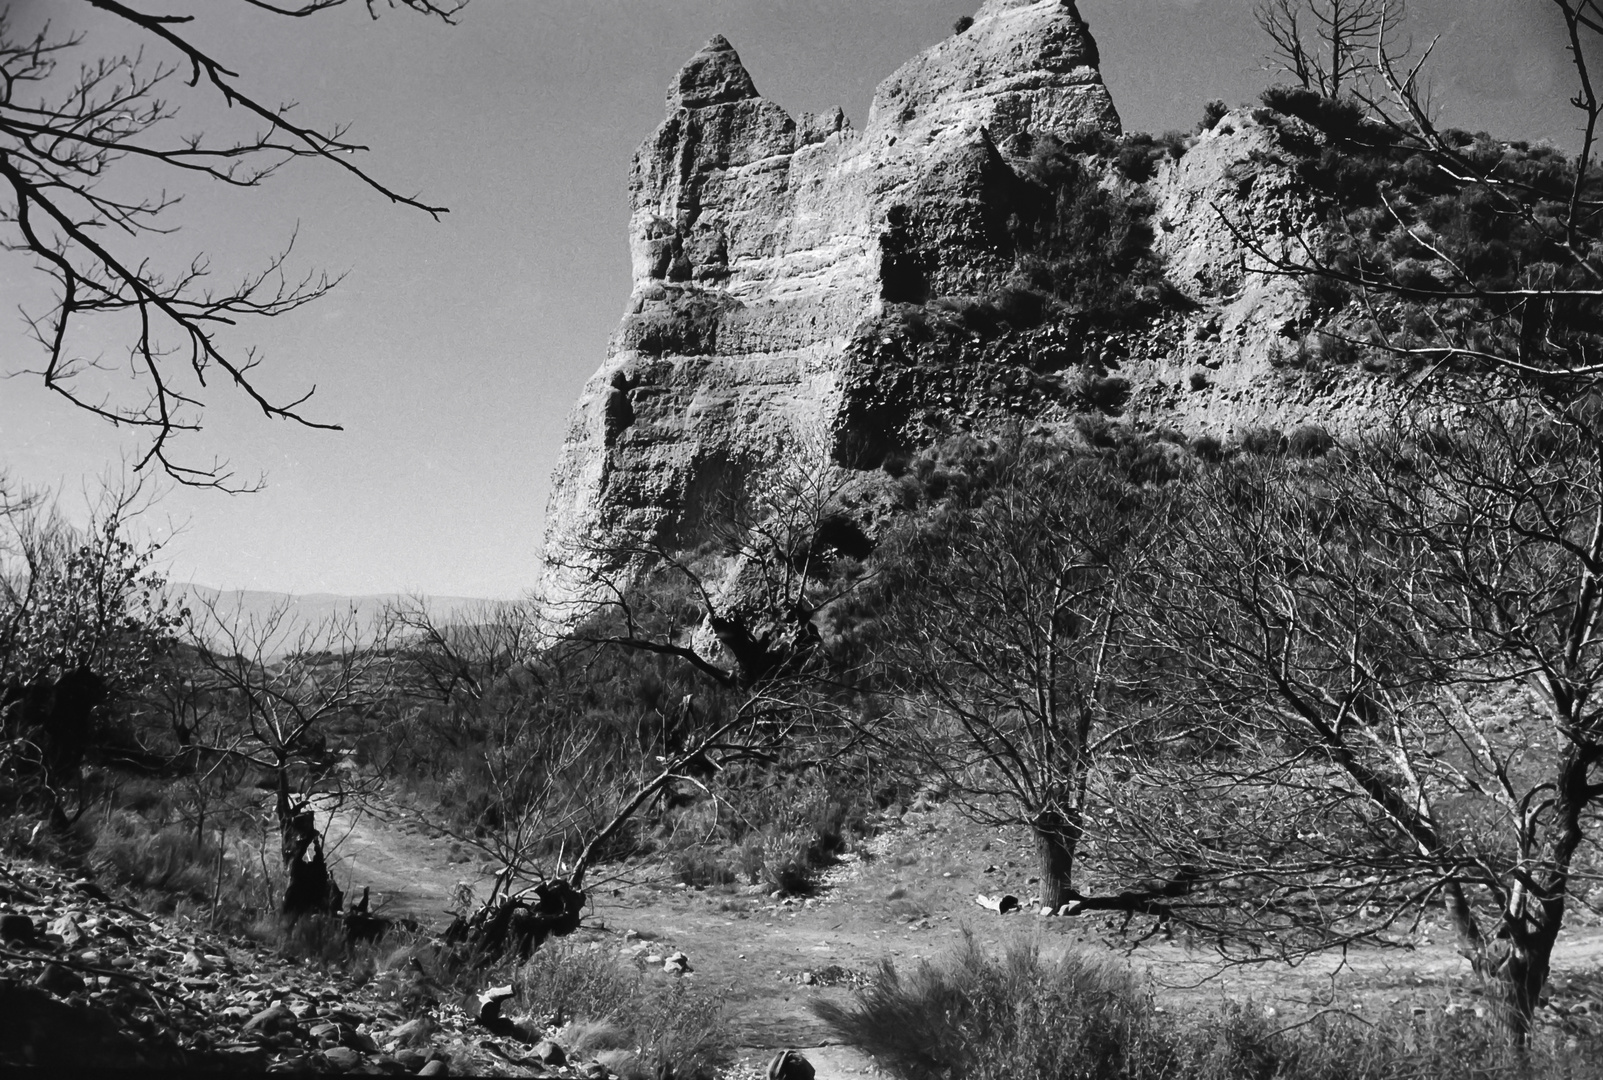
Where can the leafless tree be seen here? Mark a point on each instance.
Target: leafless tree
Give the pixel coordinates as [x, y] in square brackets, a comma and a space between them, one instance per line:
[561, 786]
[1386, 670]
[1329, 46]
[1005, 634]
[270, 690]
[89, 153]
[1528, 306]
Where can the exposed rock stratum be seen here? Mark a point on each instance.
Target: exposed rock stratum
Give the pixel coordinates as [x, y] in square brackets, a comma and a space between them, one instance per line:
[780, 266]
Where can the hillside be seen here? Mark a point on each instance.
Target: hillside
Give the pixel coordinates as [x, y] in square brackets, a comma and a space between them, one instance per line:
[295, 614]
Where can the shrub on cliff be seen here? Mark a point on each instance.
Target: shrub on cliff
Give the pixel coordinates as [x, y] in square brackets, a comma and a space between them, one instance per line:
[1088, 246]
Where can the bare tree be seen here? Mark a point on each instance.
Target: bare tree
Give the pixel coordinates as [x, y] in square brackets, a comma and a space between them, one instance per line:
[562, 785]
[74, 122]
[1329, 46]
[1509, 280]
[270, 690]
[1387, 678]
[1005, 634]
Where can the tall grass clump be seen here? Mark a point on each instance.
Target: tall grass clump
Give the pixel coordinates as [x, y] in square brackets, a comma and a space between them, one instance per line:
[646, 1028]
[1022, 1017]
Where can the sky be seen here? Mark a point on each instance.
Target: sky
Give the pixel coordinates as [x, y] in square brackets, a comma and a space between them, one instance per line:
[453, 351]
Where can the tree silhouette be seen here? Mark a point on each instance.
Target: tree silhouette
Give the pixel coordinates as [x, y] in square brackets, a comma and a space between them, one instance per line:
[88, 140]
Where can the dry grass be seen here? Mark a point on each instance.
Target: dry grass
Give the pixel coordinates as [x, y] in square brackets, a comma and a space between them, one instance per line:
[638, 1026]
[1017, 1017]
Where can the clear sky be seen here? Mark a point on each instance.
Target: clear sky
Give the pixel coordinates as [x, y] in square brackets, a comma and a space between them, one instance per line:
[454, 350]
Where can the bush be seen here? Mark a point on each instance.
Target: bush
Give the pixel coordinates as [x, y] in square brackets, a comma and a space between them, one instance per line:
[1109, 394]
[699, 868]
[1310, 441]
[1088, 246]
[671, 1031]
[1343, 119]
[1266, 441]
[962, 24]
[1136, 163]
[1024, 1018]
[1212, 113]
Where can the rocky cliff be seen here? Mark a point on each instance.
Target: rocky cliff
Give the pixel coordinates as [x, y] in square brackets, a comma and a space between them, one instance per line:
[801, 283]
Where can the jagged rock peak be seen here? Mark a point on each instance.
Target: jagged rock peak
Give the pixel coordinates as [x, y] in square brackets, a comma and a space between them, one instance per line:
[714, 76]
[1024, 65]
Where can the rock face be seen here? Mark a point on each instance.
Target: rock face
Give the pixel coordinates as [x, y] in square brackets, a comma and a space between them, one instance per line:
[774, 260]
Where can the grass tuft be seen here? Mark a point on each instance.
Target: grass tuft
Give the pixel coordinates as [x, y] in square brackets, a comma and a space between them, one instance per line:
[1019, 1017]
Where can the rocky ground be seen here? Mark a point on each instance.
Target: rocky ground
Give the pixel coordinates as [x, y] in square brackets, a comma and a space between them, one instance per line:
[88, 980]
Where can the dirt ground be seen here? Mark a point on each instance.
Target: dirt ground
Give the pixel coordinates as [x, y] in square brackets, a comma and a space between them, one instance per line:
[910, 895]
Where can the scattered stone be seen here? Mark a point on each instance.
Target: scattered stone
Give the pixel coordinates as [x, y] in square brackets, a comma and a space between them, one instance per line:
[68, 930]
[654, 958]
[270, 1020]
[790, 1065]
[85, 887]
[550, 1053]
[244, 1058]
[999, 904]
[676, 963]
[410, 1060]
[435, 1068]
[490, 1003]
[414, 1032]
[342, 1058]
[14, 927]
[59, 980]
[358, 1040]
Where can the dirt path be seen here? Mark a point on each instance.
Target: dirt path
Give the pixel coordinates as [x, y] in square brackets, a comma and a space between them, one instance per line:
[411, 869]
[910, 897]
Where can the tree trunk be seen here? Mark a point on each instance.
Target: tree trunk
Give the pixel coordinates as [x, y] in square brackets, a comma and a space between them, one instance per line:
[1514, 973]
[1513, 966]
[308, 887]
[1057, 836]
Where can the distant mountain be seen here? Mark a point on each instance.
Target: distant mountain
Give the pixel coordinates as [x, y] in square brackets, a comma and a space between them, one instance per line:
[291, 617]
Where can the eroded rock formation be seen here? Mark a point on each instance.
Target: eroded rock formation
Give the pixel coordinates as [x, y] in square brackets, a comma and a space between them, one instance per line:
[786, 272]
